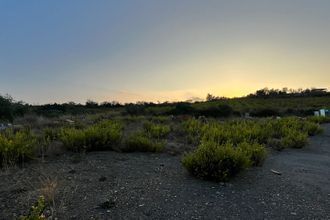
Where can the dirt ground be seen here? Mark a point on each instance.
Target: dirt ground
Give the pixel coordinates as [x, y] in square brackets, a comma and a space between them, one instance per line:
[110, 185]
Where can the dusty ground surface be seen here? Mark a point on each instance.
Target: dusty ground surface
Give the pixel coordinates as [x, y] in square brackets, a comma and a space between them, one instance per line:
[110, 185]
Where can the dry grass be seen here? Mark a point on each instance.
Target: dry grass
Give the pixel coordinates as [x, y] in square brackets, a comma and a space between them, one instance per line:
[49, 188]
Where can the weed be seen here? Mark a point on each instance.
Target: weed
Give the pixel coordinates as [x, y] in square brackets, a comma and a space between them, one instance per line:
[36, 211]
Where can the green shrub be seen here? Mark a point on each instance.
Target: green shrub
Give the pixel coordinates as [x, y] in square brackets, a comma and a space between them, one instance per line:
[256, 152]
[194, 129]
[211, 161]
[312, 128]
[73, 139]
[319, 119]
[141, 142]
[16, 146]
[157, 131]
[294, 139]
[52, 133]
[101, 136]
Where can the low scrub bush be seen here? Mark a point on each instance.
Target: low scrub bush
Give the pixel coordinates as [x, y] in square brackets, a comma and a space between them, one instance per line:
[256, 152]
[104, 135]
[294, 139]
[211, 161]
[194, 129]
[319, 120]
[73, 139]
[51, 133]
[141, 142]
[312, 128]
[157, 131]
[16, 146]
[101, 136]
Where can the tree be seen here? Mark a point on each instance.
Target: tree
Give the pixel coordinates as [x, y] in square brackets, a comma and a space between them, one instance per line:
[6, 108]
[210, 97]
[91, 104]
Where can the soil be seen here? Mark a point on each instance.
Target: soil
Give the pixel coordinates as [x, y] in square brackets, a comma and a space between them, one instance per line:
[110, 185]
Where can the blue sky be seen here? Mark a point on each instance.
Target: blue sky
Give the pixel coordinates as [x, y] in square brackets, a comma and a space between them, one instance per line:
[74, 50]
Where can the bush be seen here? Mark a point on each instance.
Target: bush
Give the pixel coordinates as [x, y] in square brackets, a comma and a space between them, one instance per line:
[6, 109]
[141, 142]
[194, 129]
[294, 139]
[319, 119]
[312, 128]
[101, 136]
[51, 133]
[16, 147]
[256, 152]
[73, 139]
[211, 161]
[157, 131]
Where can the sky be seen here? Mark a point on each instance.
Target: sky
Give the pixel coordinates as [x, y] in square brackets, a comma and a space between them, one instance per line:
[156, 50]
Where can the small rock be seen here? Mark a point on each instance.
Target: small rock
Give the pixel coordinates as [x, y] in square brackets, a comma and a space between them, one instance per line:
[102, 179]
[275, 172]
[107, 204]
[72, 171]
[293, 213]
